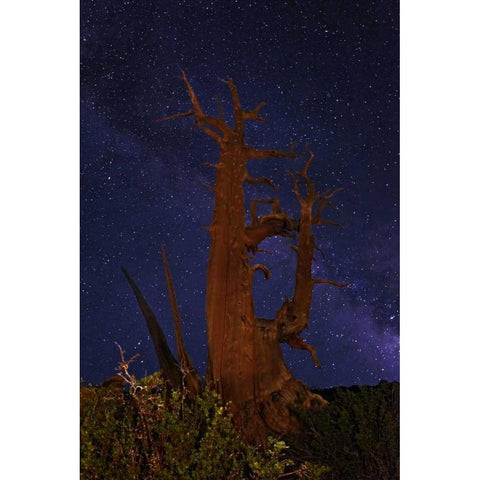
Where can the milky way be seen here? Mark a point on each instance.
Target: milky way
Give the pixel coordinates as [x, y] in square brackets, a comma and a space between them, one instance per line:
[329, 74]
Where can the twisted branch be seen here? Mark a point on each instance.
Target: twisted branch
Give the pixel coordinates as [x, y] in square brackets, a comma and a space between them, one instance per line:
[295, 341]
[215, 128]
[274, 223]
[254, 114]
[292, 318]
[260, 181]
[263, 268]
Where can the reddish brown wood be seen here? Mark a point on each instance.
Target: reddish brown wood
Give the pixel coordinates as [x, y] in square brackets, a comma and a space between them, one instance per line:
[192, 379]
[245, 361]
[167, 362]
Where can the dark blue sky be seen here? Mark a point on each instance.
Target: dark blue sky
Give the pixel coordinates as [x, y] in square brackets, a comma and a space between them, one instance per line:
[329, 74]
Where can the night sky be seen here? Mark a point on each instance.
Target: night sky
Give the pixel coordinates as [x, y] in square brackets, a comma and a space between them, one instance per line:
[329, 74]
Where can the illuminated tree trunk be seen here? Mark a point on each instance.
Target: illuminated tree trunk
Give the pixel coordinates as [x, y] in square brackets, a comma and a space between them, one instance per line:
[245, 361]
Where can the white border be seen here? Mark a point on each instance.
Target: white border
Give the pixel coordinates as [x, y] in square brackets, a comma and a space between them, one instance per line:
[40, 239]
[439, 239]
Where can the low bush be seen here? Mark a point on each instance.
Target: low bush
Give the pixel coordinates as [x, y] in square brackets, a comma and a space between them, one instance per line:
[357, 434]
[146, 432]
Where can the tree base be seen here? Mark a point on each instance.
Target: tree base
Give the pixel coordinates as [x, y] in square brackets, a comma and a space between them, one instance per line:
[274, 413]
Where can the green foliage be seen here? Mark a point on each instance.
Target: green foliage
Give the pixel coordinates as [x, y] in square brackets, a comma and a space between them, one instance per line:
[147, 433]
[276, 464]
[357, 434]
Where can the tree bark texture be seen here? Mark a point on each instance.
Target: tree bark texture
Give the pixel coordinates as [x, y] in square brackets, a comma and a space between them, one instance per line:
[245, 361]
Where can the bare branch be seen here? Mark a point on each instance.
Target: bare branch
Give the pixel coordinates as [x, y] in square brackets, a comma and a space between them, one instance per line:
[237, 108]
[296, 191]
[263, 268]
[318, 249]
[253, 207]
[303, 178]
[176, 115]
[272, 153]
[326, 221]
[215, 136]
[268, 226]
[294, 320]
[309, 161]
[254, 114]
[261, 181]
[123, 368]
[193, 97]
[192, 378]
[205, 122]
[331, 282]
[322, 203]
[296, 341]
[167, 361]
[327, 195]
[274, 223]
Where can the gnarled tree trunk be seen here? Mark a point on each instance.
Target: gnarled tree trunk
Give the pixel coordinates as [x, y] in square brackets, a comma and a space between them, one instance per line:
[245, 361]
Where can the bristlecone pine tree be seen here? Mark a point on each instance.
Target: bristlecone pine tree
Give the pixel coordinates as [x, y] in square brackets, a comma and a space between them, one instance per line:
[245, 361]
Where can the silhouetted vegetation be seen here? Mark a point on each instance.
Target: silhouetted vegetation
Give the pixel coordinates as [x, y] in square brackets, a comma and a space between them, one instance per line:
[357, 435]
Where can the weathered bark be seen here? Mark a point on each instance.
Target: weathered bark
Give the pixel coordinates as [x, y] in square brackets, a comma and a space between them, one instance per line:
[192, 379]
[168, 364]
[245, 361]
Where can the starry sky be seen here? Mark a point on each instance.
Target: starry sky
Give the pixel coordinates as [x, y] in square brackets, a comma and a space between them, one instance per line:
[329, 73]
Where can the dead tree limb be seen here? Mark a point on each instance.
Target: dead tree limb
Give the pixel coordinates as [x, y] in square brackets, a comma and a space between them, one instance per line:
[295, 341]
[167, 362]
[192, 378]
[331, 282]
[292, 318]
[263, 268]
[272, 153]
[274, 223]
[176, 115]
[245, 361]
[261, 181]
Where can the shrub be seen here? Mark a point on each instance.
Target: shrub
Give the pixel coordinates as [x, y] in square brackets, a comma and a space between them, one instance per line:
[147, 432]
[357, 434]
